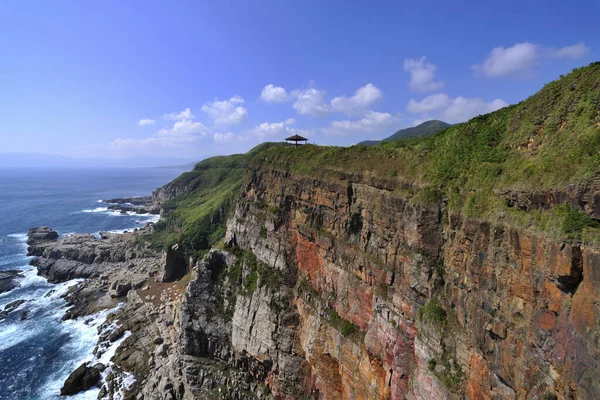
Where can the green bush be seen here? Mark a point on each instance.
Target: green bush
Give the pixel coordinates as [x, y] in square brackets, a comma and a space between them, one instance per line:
[433, 312]
[575, 221]
[345, 327]
[196, 218]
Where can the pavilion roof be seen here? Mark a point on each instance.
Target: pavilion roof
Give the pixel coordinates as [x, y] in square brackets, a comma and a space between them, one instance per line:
[296, 138]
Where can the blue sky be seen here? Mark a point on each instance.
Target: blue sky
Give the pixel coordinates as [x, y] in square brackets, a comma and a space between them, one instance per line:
[196, 78]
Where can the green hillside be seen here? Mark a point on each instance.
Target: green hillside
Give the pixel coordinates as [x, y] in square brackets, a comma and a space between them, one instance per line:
[424, 129]
[547, 141]
[196, 217]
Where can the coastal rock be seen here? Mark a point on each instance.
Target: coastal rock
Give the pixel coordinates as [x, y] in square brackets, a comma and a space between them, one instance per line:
[11, 307]
[41, 234]
[9, 280]
[120, 289]
[175, 265]
[83, 378]
[85, 256]
[135, 205]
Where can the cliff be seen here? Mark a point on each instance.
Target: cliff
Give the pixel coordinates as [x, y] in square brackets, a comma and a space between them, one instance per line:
[459, 265]
[395, 300]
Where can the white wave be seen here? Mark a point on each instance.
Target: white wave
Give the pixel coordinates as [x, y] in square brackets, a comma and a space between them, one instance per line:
[95, 210]
[117, 213]
[112, 349]
[84, 336]
[45, 306]
[29, 279]
[120, 231]
[153, 218]
[128, 380]
[9, 336]
[20, 236]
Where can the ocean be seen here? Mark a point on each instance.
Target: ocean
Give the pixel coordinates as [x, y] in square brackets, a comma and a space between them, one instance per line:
[38, 350]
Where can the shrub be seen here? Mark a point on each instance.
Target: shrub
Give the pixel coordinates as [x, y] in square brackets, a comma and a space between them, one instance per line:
[433, 312]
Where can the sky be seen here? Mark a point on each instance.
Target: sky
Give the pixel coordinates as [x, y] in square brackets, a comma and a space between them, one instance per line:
[191, 79]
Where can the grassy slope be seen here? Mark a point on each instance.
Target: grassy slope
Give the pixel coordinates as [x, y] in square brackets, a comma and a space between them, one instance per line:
[424, 129]
[196, 219]
[547, 141]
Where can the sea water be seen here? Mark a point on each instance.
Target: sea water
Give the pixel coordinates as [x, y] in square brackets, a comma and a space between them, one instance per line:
[38, 351]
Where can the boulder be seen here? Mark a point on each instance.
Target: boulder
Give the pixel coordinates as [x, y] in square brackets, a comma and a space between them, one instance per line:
[116, 334]
[11, 307]
[41, 234]
[119, 289]
[83, 378]
[8, 280]
[175, 265]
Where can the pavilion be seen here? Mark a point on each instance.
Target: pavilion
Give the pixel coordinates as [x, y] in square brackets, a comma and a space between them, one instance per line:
[296, 139]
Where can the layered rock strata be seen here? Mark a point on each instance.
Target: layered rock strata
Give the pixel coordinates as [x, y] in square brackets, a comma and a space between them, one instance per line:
[397, 300]
[346, 289]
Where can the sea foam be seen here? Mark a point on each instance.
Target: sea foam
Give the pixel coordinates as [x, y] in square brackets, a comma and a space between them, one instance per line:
[95, 210]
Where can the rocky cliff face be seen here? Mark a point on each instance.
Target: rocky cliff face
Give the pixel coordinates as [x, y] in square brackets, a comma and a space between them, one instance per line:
[388, 299]
[342, 288]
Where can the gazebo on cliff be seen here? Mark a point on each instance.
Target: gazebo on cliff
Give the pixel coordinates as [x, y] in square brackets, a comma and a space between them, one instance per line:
[296, 139]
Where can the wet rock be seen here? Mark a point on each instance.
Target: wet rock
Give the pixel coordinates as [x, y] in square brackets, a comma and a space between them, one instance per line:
[83, 378]
[8, 280]
[11, 307]
[117, 334]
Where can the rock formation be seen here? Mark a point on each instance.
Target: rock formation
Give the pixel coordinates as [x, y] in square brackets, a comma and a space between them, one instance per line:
[9, 280]
[83, 378]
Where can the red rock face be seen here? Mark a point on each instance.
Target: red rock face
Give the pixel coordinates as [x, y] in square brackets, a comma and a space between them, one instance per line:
[520, 313]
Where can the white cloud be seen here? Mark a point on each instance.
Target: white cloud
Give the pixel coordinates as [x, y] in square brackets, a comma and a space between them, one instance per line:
[183, 133]
[226, 112]
[274, 94]
[422, 75]
[185, 114]
[521, 59]
[311, 102]
[224, 137]
[461, 108]
[429, 103]
[272, 129]
[144, 122]
[357, 104]
[452, 110]
[372, 122]
[574, 51]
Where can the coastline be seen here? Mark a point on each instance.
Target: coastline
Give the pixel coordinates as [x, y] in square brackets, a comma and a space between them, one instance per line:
[98, 272]
[79, 304]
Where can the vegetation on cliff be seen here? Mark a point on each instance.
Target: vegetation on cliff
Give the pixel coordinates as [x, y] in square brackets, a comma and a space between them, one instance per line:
[196, 217]
[546, 142]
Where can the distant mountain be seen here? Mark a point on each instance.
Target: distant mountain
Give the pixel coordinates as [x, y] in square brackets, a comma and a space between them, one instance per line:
[424, 129]
[20, 160]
